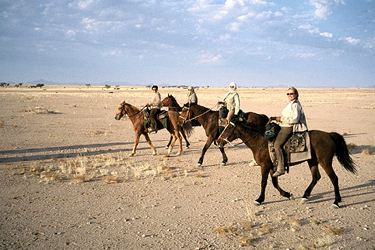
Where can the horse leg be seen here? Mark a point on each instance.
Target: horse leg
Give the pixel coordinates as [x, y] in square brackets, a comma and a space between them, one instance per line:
[335, 181]
[179, 142]
[136, 141]
[275, 183]
[150, 143]
[204, 150]
[185, 138]
[225, 158]
[263, 186]
[315, 178]
[169, 143]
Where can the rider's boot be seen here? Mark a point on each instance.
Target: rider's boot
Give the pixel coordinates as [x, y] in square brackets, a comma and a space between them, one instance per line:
[280, 168]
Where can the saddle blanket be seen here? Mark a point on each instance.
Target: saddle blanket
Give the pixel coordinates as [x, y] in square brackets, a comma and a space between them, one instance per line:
[297, 148]
[162, 120]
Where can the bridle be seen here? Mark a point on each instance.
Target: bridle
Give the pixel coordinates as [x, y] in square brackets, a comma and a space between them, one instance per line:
[123, 111]
[185, 119]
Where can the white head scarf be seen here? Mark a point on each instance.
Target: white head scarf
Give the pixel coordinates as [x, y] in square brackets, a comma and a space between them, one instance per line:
[234, 90]
[234, 85]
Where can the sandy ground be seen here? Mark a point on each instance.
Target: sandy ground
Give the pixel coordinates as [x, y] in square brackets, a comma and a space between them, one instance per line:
[68, 182]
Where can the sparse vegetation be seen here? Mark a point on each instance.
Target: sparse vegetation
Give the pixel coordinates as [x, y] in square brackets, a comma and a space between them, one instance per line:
[108, 168]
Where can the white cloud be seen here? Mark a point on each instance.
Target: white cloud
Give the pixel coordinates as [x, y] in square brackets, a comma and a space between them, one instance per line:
[225, 37]
[114, 52]
[89, 23]
[352, 40]
[83, 4]
[323, 8]
[326, 34]
[244, 18]
[235, 26]
[209, 59]
[306, 55]
[200, 5]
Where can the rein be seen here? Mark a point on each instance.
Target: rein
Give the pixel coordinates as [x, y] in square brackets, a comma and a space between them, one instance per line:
[243, 142]
[123, 107]
[195, 117]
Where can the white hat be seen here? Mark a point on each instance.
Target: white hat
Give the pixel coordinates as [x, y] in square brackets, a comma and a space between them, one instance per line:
[232, 84]
[190, 88]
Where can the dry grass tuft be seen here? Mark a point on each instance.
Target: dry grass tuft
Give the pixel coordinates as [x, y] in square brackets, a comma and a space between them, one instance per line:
[244, 241]
[83, 178]
[322, 242]
[367, 151]
[294, 222]
[97, 132]
[226, 231]
[334, 231]
[199, 174]
[264, 229]
[242, 235]
[111, 179]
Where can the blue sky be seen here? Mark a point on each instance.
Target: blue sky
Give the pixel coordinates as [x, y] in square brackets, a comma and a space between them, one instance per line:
[312, 43]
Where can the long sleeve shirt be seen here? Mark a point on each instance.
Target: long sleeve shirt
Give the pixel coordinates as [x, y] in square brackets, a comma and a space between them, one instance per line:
[232, 101]
[294, 116]
[156, 101]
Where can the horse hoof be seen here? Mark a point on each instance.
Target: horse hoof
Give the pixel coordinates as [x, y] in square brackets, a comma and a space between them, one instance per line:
[223, 163]
[291, 197]
[154, 153]
[131, 154]
[187, 147]
[167, 147]
[178, 154]
[199, 164]
[304, 200]
[167, 155]
[256, 203]
[335, 206]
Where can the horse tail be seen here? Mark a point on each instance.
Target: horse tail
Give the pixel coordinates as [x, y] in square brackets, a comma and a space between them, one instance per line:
[342, 153]
[188, 128]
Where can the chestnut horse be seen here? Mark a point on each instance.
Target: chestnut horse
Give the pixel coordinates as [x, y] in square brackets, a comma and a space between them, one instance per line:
[323, 148]
[137, 118]
[209, 120]
[173, 105]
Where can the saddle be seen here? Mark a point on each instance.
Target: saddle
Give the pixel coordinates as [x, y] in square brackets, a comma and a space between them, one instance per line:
[223, 113]
[161, 118]
[296, 149]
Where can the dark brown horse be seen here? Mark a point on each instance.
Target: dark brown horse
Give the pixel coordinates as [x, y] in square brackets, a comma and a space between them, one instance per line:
[209, 120]
[324, 146]
[137, 118]
[172, 105]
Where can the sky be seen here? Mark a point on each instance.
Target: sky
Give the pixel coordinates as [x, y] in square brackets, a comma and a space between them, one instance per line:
[255, 43]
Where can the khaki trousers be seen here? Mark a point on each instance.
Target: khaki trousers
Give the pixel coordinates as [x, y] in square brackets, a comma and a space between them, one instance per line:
[281, 139]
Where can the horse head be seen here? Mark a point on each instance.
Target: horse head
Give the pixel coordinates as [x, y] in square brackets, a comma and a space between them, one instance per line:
[169, 101]
[185, 114]
[120, 111]
[227, 134]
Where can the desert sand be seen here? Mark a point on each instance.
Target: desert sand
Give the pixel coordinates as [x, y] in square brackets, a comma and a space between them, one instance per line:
[68, 181]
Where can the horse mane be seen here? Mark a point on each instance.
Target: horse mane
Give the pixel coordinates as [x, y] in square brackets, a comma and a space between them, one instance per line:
[198, 107]
[132, 107]
[253, 126]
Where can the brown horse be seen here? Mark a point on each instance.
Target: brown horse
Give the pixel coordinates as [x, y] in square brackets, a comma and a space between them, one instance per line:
[137, 118]
[173, 105]
[324, 146]
[209, 120]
